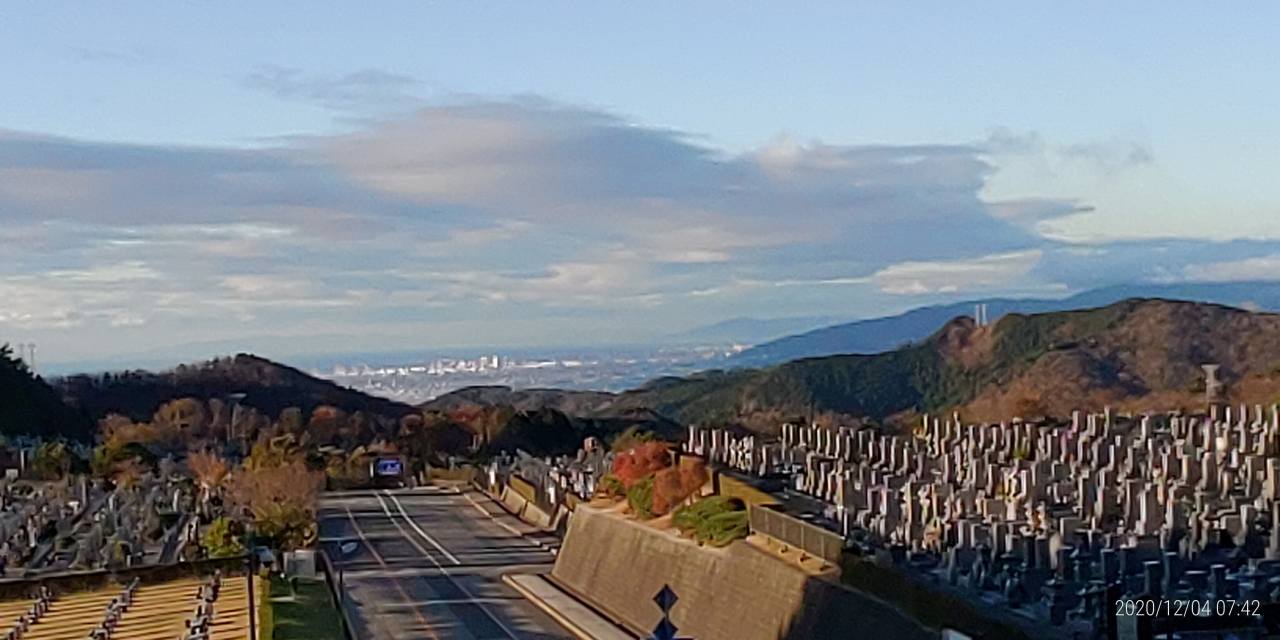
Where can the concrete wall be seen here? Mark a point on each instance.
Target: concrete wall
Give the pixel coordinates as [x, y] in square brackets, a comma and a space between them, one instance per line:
[727, 485]
[739, 592]
[936, 605]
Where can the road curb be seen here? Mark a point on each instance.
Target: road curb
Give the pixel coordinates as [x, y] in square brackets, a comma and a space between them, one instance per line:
[555, 614]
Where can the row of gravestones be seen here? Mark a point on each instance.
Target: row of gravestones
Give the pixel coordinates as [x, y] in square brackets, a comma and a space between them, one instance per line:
[26, 516]
[119, 533]
[74, 524]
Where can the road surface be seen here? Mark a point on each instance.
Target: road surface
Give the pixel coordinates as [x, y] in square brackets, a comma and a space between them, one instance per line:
[428, 563]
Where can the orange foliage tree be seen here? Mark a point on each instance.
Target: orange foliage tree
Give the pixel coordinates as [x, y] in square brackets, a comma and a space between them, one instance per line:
[281, 501]
[643, 460]
[278, 491]
[211, 472]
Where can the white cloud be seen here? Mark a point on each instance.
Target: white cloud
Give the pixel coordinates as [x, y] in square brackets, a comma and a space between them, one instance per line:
[123, 272]
[986, 272]
[1261, 268]
[482, 210]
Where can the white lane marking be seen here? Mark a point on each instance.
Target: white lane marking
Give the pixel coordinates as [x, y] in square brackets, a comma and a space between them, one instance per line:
[364, 540]
[452, 558]
[445, 572]
[399, 587]
[541, 544]
[487, 571]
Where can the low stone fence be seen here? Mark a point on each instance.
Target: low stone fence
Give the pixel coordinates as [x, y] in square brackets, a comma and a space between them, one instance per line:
[795, 532]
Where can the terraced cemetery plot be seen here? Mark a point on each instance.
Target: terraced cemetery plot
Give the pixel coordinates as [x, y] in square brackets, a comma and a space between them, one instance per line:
[159, 612]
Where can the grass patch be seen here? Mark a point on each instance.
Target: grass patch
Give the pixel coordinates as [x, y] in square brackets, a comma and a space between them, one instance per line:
[308, 615]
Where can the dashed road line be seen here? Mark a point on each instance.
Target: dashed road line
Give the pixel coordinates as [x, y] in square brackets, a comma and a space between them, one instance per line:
[377, 556]
[445, 572]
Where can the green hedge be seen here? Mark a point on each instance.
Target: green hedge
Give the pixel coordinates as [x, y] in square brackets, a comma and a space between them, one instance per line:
[640, 497]
[715, 520]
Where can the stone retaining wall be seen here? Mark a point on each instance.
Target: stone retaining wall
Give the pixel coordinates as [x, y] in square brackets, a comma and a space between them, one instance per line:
[739, 592]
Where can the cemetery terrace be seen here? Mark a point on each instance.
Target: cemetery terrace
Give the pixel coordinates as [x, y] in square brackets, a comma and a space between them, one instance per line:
[1045, 518]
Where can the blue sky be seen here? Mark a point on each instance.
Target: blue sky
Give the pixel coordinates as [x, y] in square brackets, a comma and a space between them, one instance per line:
[453, 174]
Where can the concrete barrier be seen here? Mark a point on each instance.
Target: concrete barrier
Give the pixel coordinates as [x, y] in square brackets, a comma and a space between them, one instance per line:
[523, 487]
[513, 501]
[740, 592]
[534, 515]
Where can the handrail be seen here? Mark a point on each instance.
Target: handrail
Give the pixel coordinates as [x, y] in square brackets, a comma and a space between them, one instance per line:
[337, 596]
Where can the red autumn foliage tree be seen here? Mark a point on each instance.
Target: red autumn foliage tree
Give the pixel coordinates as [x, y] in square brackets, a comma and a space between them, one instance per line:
[643, 460]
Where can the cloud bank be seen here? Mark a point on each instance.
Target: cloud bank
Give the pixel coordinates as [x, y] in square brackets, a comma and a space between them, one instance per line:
[525, 221]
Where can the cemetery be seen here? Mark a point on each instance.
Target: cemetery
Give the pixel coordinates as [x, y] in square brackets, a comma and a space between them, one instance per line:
[146, 552]
[79, 524]
[1040, 527]
[1052, 522]
[206, 600]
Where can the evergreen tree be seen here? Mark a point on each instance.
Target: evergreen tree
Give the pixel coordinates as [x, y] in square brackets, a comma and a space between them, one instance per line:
[29, 406]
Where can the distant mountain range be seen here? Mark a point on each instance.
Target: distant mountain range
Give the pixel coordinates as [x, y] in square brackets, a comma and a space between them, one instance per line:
[1136, 354]
[752, 330]
[877, 335]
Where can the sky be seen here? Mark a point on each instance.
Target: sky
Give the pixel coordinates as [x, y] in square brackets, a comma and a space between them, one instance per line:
[310, 177]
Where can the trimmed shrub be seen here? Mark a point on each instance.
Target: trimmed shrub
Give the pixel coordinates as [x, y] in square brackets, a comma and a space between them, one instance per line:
[611, 486]
[672, 486]
[266, 613]
[715, 520]
[692, 476]
[223, 538]
[666, 491]
[640, 498]
[722, 528]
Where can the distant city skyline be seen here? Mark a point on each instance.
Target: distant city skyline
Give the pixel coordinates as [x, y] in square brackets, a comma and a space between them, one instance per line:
[337, 179]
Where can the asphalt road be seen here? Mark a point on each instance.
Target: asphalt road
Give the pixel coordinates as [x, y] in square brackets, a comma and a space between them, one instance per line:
[429, 563]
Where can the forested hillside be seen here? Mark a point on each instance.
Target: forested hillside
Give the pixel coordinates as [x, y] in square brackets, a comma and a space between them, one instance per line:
[1139, 354]
[269, 387]
[28, 406]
